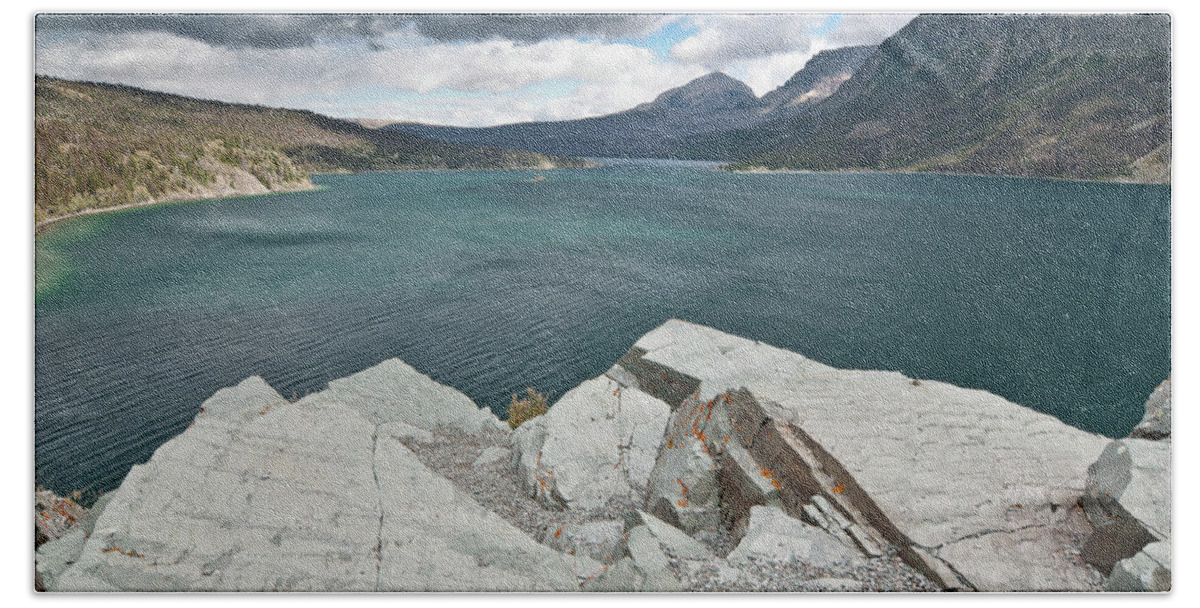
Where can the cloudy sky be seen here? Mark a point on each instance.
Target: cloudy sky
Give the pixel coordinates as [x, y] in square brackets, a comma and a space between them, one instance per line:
[442, 68]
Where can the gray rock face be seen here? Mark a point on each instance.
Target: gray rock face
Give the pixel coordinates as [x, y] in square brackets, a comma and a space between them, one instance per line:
[744, 485]
[622, 577]
[773, 535]
[683, 483]
[596, 444]
[324, 494]
[1156, 422]
[260, 494]
[1128, 500]
[967, 485]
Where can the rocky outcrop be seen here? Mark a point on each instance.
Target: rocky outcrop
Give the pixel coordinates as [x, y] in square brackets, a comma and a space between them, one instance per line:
[318, 495]
[53, 515]
[1128, 501]
[975, 491]
[701, 460]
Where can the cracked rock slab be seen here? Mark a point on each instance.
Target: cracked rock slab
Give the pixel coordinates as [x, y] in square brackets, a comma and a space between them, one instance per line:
[926, 464]
[264, 495]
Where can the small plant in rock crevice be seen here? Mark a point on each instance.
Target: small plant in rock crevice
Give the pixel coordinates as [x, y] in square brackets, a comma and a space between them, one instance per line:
[532, 405]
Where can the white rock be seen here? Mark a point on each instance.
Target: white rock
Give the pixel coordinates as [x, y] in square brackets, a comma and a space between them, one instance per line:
[649, 558]
[597, 443]
[393, 390]
[621, 577]
[599, 540]
[773, 535]
[941, 465]
[1156, 422]
[261, 495]
[683, 483]
[397, 429]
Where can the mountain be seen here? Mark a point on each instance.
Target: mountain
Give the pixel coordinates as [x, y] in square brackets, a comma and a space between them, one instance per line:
[667, 126]
[100, 145]
[820, 78]
[708, 103]
[1072, 96]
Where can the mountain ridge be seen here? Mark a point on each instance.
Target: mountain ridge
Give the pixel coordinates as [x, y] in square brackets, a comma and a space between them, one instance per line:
[662, 127]
[1067, 96]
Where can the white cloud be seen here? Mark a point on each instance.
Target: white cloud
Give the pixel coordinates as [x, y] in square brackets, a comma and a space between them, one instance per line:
[867, 28]
[723, 39]
[503, 65]
[493, 80]
[327, 78]
[765, 74]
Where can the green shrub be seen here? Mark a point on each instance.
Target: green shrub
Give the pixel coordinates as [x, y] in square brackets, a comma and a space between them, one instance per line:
[532, 405]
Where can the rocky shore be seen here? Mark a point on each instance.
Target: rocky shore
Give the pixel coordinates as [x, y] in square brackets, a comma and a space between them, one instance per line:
[700, 461]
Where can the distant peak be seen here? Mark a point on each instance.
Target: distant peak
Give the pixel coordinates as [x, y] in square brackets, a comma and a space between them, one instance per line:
[713, 90]
[715, 76]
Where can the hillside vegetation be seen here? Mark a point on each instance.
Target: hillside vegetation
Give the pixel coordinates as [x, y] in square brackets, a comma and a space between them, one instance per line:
[99, 145]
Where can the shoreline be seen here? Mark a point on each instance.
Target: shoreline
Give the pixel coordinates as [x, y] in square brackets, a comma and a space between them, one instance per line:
[44, 225]
[767, 171]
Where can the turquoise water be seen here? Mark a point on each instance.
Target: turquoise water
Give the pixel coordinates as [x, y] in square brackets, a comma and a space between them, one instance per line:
[1053, 294]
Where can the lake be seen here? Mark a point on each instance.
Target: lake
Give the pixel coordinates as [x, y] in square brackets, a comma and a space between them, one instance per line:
[1053, 294]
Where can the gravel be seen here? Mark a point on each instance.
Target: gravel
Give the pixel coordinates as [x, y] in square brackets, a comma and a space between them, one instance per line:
[496, 486]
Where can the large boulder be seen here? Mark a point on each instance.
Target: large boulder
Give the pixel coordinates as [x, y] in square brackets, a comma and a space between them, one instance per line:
[260, 494]
[673, 541]
[968, 486]
[683, 487]
[596, 444]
